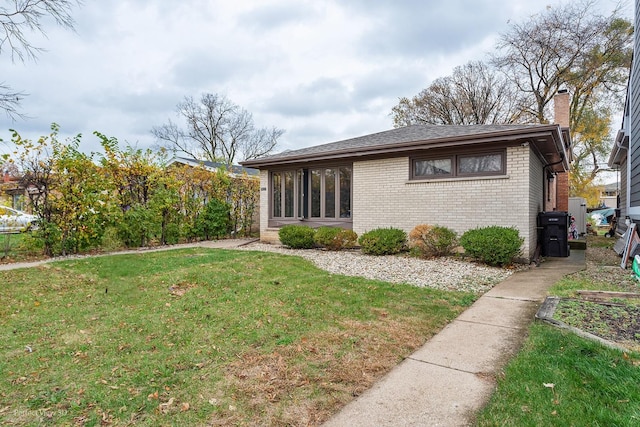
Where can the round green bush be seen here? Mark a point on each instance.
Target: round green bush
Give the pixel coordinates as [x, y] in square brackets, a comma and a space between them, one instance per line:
[335, 238]
[297, 236]
[383, 241]
[492, 245]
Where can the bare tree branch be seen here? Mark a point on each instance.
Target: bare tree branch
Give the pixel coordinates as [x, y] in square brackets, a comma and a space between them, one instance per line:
[473, 94]
[10, 101]
[19, 19]
[217, 130]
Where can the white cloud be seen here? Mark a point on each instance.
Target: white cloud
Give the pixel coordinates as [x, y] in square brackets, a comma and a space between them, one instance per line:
[322, 71]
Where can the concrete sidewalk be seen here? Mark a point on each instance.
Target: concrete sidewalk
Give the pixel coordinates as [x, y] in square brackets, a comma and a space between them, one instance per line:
[452, 376]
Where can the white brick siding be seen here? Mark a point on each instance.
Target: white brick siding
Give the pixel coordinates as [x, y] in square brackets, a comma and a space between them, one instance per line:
[383, 196]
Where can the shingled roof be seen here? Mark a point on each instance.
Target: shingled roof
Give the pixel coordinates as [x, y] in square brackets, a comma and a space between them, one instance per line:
[549, 138]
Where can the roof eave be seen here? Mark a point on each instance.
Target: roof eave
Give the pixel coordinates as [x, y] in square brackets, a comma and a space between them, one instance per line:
[620, 147]
[398, 148]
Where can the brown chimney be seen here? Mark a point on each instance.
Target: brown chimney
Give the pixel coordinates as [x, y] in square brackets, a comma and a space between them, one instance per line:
[561, 108]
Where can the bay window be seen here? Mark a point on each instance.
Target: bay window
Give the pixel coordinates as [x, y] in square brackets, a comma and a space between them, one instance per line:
[321, 194]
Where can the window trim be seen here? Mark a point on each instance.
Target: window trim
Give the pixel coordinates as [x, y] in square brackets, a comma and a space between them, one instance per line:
[455, 162]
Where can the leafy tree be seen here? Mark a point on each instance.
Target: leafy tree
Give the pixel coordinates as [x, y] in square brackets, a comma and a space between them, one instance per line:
[65, 190]
[244, 195]
[216, 130]
[80, 206]
[572, 47]
[569, 46]
[35, 160]
[18, 19]
[589, 156]
[473, 94]
[198, 186]
[135, 175]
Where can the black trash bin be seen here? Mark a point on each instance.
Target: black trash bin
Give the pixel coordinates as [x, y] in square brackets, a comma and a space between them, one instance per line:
[554, 232]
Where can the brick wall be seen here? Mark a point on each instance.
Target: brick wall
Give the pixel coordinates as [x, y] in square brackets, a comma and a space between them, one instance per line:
[561, 117]
[383, 196]
[562, 191]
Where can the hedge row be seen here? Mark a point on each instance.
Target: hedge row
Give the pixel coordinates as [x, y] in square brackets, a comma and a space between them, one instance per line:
[492, 245]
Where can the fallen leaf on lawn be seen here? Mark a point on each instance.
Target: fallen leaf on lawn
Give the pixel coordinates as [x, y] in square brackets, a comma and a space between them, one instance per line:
[184, 407]
[164, 407]
[554, 413]
[549, 385]
[153, 395]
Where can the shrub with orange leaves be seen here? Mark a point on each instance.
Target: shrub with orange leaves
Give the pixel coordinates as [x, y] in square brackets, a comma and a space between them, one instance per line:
[432, 240]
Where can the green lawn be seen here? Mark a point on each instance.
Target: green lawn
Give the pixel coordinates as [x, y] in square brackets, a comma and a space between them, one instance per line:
[560, 379]
[200, 337]
[17, 247]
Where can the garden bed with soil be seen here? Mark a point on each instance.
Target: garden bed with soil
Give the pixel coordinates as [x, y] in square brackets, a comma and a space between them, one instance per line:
[610, 307]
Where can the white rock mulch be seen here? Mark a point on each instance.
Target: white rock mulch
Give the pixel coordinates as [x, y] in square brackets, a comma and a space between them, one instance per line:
[442, 273]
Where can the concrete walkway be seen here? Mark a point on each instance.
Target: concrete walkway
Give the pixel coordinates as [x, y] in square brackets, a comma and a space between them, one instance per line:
[452, 376]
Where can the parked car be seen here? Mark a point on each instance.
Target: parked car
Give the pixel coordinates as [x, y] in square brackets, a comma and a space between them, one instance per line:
[13, 220]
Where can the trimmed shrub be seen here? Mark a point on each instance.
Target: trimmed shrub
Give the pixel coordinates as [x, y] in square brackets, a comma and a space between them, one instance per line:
[335, 238]
[492, 245]
[297, 236]
[214, 221]
[433, 241]
[383, 241]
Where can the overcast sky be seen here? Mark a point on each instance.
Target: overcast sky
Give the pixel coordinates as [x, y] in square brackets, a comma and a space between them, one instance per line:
[321, 70]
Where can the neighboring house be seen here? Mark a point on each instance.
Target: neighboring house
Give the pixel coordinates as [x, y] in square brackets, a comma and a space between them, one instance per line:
[12, 192]
[461, 177]
[609, 195]
[626, 148]
[236, 170]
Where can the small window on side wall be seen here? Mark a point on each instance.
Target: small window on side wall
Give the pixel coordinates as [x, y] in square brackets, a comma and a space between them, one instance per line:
[459, 165]
[427, 168]
[481, 164]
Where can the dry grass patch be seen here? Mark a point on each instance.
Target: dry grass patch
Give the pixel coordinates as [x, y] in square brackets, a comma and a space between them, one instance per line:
[201, 337]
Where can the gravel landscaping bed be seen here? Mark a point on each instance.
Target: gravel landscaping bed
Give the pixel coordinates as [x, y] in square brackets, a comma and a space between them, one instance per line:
[440, 273]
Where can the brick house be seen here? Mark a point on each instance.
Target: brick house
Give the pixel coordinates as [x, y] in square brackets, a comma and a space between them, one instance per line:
[461, 177]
